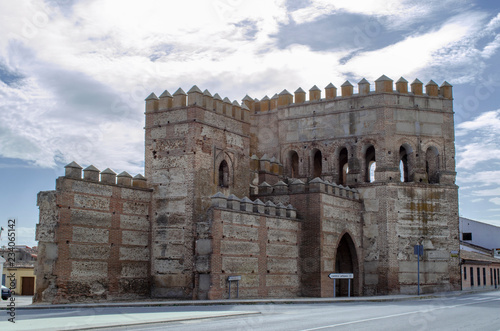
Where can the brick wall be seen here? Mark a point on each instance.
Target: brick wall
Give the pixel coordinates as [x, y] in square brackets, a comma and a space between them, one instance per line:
[261, 247]
[95, 239]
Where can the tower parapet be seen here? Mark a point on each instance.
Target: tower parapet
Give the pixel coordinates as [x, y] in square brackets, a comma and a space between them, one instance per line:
[74, 171]
[382, 85]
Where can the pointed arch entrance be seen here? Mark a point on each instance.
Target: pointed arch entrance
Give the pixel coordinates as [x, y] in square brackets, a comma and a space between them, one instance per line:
[346, 261]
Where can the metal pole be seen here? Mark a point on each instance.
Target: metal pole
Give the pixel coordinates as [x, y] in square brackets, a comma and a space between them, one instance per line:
[349, 288]
[229, 290]
[334, 287]
[418, 272]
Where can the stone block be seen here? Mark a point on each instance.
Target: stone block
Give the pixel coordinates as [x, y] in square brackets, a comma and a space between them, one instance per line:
[239, 248]
[278, 265]
[134, 253]
[134, 222]
[92, 188]
[136, 238]
[89, 252]
[90, 235]
[238, 265]
[168, 266]
[282, 236]
[240, 232]
[282, 280]
[287, 251]
[135, 269]
[90, 218]
[91, 202]
[89, 269]
[135, 208]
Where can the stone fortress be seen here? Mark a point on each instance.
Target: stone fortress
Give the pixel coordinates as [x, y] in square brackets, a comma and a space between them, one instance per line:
[281, 191]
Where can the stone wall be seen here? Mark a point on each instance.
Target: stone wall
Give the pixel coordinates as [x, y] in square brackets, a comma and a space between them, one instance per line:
[399, 216]
[244, 238]
[95, 241]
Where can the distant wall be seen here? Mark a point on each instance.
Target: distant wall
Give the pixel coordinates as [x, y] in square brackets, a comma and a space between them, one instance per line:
[94, 242]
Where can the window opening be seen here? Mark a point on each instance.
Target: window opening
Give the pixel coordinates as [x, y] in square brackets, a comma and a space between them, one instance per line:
[294, 163]
[370, 164]
[223, 174]
[318, 164]
[343, 166]
[432, 165]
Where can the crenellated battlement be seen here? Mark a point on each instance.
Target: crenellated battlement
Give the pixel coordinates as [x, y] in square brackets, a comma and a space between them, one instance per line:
[91, 173]
[316, 185]
[244, 204]
[382, 85]
[195, 97]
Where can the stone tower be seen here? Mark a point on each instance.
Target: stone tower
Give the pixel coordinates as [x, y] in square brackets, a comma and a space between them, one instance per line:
[196, 145]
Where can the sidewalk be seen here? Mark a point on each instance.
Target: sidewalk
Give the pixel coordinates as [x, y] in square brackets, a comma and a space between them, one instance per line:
[24, 302]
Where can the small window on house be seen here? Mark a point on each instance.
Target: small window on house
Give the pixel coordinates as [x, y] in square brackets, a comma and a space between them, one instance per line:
[465, 273]
[478, 276]
[318, 164]
[471, 276]
[467, 236]
[223, 174]
[484, 276]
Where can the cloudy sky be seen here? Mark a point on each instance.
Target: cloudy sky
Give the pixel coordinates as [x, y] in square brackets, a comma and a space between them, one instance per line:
[74, 75]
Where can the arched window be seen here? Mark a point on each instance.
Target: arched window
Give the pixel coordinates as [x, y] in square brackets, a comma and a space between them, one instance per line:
[223, 174]
[293, 161]
[370, 165]
[343, 166]
[403, 164]
[318, 164]
[432, 165]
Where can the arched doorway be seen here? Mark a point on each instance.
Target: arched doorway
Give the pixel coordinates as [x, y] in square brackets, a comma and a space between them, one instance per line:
[346, 261]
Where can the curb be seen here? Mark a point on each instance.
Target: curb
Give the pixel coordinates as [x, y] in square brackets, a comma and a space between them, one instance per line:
[388, 298]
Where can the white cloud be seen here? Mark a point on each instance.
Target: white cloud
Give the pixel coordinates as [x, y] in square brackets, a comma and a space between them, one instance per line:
[490, 192]
[483, 145]
[496, 201]
[417, 52]
[396, 12]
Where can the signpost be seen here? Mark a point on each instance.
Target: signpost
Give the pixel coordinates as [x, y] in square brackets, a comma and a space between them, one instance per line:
[418, 250]
[237, 280]
[342, 276]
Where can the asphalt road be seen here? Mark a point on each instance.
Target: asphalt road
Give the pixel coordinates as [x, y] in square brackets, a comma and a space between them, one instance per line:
[479, 311]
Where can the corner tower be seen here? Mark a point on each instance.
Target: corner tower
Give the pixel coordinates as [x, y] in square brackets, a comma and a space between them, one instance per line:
[196, 145]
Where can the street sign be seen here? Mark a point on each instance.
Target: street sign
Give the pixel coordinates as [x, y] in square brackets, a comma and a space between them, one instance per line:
[454, 253]
[341, 276]
[418, 250]
[232, 278]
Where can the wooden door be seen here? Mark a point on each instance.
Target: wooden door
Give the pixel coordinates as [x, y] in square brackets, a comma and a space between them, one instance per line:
[28, 285]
